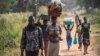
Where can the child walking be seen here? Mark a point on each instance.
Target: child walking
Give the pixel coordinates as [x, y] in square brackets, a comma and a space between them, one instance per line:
[68, 37]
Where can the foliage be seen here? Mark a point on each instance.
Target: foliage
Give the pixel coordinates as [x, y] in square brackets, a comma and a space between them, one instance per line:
[8, 6]
[11, 26]
[89, 4]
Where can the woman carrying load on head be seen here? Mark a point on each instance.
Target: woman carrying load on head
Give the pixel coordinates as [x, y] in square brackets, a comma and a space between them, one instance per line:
[54, 33]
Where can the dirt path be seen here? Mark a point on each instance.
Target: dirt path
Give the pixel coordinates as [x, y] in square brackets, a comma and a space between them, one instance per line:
[74, 51]
[63, 47]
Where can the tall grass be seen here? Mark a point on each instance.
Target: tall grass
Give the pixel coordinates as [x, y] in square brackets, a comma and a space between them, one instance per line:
[95, 22]
[11, 26]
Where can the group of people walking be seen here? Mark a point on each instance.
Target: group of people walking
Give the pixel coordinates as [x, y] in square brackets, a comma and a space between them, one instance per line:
[46, 38]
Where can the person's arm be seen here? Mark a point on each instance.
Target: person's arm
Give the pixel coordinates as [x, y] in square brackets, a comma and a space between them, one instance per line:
[40, 37]
[89, 28]
[60, 30]
[65, 27]
[77, 20]
[23, 42]
[72, 26]
[47, 32]
[82, 27]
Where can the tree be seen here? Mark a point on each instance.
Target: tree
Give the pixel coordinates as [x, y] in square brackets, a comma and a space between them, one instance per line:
[89, 3]
[8, 6]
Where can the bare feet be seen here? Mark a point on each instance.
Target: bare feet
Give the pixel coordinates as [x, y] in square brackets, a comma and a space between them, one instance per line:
[86, 52]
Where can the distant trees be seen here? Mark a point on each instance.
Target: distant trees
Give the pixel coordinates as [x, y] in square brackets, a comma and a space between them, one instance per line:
[20, 5]
[89, 4]
[29, 5]
[8, 5]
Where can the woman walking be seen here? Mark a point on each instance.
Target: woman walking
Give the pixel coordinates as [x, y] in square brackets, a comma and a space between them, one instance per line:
[45, 37]
[86, 35]
[54, 32]
[78, 30]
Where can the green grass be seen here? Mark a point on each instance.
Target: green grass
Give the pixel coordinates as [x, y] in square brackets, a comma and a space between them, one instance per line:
[11, 26]
[94, 18]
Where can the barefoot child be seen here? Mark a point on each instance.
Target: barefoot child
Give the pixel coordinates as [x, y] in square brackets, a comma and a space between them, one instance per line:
[69, 23]
[68, 37]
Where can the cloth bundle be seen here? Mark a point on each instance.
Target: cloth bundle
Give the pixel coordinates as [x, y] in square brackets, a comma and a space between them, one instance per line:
[55, 8]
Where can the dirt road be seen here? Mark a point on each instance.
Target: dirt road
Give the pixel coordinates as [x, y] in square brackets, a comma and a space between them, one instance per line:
[63, 47]
[74, 51]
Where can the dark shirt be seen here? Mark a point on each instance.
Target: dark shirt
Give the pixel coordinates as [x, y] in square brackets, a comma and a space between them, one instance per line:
[45, 37]
[86, 30]
[85, 27]
[32, 39]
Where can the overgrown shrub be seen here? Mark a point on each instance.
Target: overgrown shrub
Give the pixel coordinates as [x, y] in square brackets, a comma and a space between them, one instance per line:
[11, 26]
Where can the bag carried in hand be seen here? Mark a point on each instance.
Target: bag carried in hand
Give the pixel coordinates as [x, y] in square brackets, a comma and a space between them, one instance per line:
[75, 41]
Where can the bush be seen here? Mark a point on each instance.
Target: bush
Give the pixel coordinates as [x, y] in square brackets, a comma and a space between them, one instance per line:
[10, 29]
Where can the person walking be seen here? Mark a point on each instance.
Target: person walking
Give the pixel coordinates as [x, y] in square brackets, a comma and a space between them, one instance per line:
[45, 37]
[78, 22]
[69, 37]
[32, 39]
[54, 31]
[86, 35]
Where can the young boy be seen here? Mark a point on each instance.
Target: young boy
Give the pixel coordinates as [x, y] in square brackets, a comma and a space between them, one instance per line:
[86, 35]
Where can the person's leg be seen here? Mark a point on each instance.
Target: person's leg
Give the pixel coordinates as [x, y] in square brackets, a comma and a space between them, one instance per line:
[32, 53]
[80, 40]
[87, 42]
[56, 50]
[68, 43]
[27, 53]
[87, 46]
[50, 49]
[84, 49]
[35, 53]
[45, 47]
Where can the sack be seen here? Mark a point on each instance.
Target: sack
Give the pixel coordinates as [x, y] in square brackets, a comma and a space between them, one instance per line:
[55, 9]
[75, 41]
[58, 1]
[68, 21]
[45, 17]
